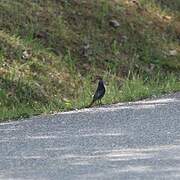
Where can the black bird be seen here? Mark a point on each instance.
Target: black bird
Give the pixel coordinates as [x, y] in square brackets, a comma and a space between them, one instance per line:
[100, 91]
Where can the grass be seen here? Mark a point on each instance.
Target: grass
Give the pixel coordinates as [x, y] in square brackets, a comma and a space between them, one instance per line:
[130, 89]
[51, 53]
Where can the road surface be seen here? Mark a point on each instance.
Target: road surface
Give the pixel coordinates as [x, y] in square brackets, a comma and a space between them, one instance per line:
[126, 141]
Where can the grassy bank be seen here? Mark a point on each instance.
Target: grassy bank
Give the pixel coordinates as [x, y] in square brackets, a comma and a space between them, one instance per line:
[51, 51]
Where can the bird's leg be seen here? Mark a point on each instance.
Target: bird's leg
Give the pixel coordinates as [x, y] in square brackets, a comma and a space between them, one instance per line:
[100, 101]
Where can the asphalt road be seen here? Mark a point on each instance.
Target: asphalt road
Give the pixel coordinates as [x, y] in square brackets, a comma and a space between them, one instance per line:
[130, 141]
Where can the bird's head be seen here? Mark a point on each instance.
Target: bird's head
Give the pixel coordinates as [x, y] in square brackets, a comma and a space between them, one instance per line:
[100, 79]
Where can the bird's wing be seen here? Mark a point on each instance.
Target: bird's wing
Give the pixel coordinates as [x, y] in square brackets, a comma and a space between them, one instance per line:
[98, 94]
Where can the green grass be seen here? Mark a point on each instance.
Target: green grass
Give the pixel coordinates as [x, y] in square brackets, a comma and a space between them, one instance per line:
[51, 52]
[131, 89]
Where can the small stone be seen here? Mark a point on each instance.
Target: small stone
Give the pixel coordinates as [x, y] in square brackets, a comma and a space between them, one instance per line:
[150, 68]
[87, 67]
[85, 50]
[136, 2]
[114, 23]
[167, 18]
[41, 35]
[123, 39]
[173, 52]
[26, 54]
[86, 46]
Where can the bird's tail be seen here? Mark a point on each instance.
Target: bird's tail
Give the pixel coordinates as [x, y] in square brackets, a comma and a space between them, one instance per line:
[91, 103]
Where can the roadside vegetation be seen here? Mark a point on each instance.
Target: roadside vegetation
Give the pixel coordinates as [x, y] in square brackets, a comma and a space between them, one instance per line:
[51, 52]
